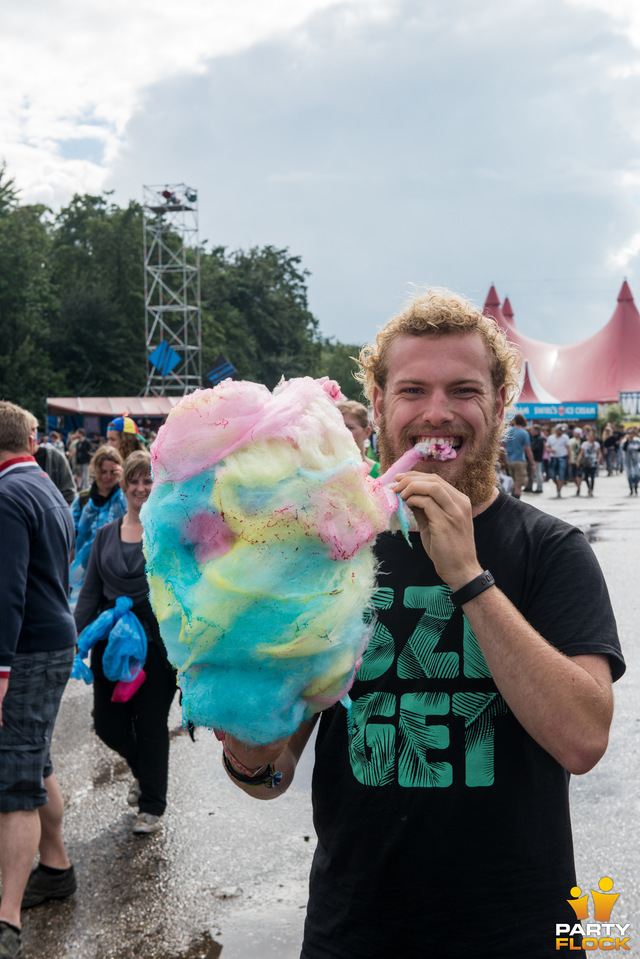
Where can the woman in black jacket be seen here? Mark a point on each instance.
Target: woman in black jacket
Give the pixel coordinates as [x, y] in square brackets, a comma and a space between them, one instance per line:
[138, 728]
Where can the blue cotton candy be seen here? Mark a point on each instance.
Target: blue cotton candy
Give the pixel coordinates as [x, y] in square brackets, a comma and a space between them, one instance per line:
[258, 537]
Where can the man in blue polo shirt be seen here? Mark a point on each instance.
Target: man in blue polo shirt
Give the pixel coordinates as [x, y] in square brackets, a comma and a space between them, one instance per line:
[518, 446]
[37, 646]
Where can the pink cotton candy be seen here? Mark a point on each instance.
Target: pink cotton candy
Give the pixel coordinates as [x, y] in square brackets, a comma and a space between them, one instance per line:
[259, 537]
[209, 535]
[209, 425]
[436, 451]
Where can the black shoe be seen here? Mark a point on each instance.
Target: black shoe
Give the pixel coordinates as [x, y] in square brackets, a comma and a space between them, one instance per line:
[10, 943]
[44, 885]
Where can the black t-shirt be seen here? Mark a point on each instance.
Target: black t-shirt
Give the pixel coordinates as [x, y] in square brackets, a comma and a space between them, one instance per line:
[83, 452]
[443, 828]
[537, 447]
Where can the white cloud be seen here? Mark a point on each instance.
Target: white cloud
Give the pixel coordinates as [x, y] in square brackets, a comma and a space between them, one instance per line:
[437, 142]
[625, 12]
[621, 259]
[385, 141]
[71, 69]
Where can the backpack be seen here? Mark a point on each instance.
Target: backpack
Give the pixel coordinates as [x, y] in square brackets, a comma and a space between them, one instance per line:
[83, 452]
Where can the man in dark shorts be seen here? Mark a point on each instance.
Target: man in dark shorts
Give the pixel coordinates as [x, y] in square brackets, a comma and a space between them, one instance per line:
[37, 645]
[441, 794]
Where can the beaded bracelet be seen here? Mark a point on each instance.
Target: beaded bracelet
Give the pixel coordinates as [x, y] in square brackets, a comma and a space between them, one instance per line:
[269, 778]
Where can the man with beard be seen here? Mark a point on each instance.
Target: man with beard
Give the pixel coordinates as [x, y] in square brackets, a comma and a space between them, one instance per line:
[441, 795]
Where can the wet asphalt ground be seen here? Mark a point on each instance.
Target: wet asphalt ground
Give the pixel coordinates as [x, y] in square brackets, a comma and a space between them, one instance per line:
[227, 875]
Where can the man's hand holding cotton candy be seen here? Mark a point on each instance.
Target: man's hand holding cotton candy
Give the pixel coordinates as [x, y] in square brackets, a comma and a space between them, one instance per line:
[445, 521]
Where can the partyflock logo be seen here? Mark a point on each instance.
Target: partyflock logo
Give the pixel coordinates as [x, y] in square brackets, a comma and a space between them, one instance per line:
[596, 933]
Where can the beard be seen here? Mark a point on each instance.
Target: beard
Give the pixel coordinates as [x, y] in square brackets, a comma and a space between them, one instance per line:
[476, 477]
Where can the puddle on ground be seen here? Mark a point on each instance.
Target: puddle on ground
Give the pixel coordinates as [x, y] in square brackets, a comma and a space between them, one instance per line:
[204, 947]
[108, 773]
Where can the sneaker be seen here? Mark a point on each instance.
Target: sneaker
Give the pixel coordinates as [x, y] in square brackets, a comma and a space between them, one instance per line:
[43, 885]
[146, 822]
[134, 793]
[10, 943]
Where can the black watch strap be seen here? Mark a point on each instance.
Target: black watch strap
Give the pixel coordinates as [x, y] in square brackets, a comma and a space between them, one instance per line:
[474, 588]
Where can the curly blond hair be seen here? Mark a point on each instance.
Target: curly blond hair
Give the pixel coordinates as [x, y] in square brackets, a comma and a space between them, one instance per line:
[437, 312]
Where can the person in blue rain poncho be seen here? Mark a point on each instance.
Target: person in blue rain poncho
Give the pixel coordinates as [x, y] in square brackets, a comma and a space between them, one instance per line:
[101, 504]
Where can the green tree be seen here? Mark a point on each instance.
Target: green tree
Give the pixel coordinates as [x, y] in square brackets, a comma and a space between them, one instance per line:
[8, 192]
[336, 361]
[72, 305]
[98, 338]
[614, 414]
[255, 311]
[27, 303]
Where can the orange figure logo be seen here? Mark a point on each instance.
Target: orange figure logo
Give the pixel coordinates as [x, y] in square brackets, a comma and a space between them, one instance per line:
[580, 904]
[603, 901]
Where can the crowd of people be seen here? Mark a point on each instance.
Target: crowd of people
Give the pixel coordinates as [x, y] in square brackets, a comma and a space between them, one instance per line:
[445, 761]
[123, 433]
[566, 457]
[71, 514]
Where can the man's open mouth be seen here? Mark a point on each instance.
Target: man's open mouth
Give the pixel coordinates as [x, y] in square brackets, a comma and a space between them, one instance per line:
[454, 441]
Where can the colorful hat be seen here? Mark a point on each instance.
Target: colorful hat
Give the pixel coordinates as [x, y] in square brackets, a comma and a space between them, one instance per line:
[123, 424]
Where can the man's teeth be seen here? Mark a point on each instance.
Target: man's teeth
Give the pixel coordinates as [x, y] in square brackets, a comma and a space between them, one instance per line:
[454, 441]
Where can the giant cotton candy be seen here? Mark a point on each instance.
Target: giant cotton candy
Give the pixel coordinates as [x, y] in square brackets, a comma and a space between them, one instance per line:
[258, 536]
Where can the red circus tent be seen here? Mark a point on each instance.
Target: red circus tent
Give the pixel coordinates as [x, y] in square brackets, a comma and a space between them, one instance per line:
[597, 369]
[507, 312]
[531, 391]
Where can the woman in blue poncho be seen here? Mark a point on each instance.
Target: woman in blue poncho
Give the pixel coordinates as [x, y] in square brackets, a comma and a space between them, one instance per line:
[94, 508]
[136, 728]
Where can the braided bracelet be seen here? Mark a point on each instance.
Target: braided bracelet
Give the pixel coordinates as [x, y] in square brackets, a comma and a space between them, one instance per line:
[235, 762]
[269, 778]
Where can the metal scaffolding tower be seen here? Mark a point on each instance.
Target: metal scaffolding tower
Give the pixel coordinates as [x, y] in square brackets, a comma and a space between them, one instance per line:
[172, 289]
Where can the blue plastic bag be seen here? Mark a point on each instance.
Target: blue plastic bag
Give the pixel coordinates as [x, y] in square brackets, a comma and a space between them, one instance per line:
[126, 649]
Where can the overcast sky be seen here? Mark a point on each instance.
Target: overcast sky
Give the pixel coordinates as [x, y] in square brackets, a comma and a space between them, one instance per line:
[387, 142]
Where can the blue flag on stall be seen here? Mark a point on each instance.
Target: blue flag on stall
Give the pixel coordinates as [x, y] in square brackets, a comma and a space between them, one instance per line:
[221, 370]
[164, 358]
